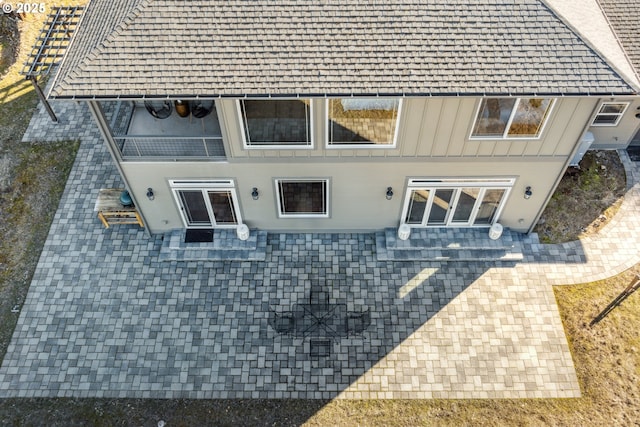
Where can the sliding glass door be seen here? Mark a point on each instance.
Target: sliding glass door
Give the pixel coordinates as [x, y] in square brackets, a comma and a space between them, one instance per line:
[448, 203]
[207, 204]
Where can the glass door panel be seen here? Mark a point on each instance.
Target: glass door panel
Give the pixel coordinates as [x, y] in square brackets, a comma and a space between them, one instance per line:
[464, 206]
[489, 206]
[417, 206]
[194, 207]
[223, 207]
[440, 206]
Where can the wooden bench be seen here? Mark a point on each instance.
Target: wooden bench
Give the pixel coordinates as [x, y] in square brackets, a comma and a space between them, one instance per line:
[110, 210]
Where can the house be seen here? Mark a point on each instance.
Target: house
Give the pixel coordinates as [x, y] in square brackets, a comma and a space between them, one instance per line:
[348, 116]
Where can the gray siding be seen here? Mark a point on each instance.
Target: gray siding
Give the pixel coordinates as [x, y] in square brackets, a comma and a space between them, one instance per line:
[433, 142]
[431, 128]
[357, 189]
[614, 137]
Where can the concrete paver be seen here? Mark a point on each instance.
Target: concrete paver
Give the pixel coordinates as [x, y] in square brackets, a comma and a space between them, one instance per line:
[105, 317]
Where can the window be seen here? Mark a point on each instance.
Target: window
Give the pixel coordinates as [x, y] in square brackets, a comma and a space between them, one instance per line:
[206, 204]
[455, 203]
[362, 122]
[506, 118]
[278, 123]
[302, 198]
[610, 113]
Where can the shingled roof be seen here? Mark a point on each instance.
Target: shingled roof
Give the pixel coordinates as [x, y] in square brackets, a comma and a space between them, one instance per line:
[624, 16]
[149, 48]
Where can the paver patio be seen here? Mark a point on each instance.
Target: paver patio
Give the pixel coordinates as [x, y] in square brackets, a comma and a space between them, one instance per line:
[105, 318]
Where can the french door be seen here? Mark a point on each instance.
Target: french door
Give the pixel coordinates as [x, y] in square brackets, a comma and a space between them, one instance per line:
[447, 203]
[207, 204]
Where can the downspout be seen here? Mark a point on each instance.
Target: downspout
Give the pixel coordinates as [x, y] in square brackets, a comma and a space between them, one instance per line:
[96, 112]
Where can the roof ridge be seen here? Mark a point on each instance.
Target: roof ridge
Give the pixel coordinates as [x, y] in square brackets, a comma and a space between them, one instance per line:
[635, 85]
[112, 35]
[617, 37]
[258, 49]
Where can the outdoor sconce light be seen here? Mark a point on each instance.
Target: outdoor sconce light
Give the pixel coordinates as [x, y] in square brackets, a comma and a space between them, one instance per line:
[528, 193]
[389, 193]
[150, 194]
[255, 194]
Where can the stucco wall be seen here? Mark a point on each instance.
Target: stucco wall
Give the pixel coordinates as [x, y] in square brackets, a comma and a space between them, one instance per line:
[614, 137]
[356, 193]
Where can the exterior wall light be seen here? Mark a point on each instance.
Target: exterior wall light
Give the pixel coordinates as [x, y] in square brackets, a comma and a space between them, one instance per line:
[255, 194]
[528, 193]
[150, 194]
[389, 193]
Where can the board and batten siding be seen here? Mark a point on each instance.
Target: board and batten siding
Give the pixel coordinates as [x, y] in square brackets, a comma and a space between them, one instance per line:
[433, 142]
[431, 128]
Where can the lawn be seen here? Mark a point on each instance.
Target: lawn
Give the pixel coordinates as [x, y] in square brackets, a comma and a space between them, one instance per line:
[32, 178]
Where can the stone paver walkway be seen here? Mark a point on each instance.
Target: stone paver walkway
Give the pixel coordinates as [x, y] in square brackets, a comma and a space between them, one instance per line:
[105, 318]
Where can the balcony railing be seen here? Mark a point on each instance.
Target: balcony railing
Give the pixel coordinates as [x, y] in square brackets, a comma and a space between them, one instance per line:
[170, 147]
[140, 136]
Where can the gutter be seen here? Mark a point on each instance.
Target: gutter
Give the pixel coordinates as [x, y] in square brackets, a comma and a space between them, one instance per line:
[187, 97]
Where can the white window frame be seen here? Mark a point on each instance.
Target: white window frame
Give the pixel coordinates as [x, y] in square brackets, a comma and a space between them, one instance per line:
[510, 121]
[354, 146]
[275, 146]
[204, 185]
[505, 184]
[283, 215]
[605, 104]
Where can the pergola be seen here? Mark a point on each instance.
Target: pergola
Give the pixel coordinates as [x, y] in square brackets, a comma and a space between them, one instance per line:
[50, 46]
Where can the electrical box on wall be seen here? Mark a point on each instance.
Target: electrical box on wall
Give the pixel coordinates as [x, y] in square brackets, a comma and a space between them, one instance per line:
[585, 144]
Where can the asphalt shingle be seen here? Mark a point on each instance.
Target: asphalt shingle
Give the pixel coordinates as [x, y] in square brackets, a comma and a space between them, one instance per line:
[306, 47]
[625, 19]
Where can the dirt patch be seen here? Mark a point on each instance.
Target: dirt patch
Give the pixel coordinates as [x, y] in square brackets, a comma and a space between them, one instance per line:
[9, 42]
[586, 199]
[27, 207]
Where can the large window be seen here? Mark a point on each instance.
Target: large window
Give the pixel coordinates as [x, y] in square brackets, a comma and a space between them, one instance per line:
[507, 118]
[455, 203]
[281, 123]
[610, 113]
[302, 197]
[362, 122]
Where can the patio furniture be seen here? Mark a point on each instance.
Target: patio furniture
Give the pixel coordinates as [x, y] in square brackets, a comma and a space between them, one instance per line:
[111, 211]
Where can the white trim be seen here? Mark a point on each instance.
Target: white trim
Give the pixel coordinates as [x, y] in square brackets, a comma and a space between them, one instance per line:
[456, 186]
[201, 183]
[358, 145]
[267, 146]
[504, 136]
[464, 182]
[204, 186]
[619, 115]
[302, 215]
